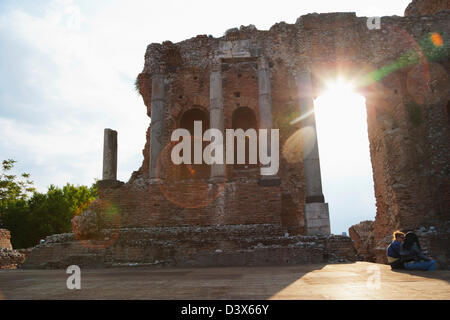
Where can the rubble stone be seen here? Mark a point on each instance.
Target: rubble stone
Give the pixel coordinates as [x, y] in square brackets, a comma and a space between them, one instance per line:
[363, 238]
[9, 258]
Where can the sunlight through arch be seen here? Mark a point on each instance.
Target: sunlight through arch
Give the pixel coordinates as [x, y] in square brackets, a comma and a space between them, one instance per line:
[347, 178]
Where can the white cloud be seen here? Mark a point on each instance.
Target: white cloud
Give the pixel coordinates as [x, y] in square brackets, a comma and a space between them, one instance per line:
[84, 93]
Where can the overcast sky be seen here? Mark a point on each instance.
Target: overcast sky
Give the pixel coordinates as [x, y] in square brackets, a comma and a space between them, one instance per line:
[67, 71]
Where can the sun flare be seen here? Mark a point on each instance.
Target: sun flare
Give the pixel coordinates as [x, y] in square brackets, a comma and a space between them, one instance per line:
[340, 112]
[339, 89]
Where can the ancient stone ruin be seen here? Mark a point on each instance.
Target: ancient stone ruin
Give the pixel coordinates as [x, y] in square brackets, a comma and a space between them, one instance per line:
[9, 258]
[191, 215]
[426, 7]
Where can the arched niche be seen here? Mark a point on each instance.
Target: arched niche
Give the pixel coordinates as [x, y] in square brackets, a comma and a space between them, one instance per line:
[187, 119]
[244, 118]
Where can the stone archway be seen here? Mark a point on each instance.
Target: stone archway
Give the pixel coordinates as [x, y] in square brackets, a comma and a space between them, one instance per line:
[187, 119]
[244, 118]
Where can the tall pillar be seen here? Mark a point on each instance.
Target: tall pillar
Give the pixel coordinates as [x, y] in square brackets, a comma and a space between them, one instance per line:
[216, 110]
[265, 113]
[316, 210]
[264, 95]
[157, 120]
[311, 161]
[109, 155]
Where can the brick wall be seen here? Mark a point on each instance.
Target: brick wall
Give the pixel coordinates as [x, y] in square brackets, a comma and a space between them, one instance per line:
[426, 7]
[225, 245]
[407, 108]
[9, 258]
[195, 202]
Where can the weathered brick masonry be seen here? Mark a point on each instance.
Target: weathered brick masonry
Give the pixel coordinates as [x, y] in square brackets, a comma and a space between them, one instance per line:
[426, 7]
[410, 145]
[243, 245]
[144, 205]
[9, 258]
[5, 237]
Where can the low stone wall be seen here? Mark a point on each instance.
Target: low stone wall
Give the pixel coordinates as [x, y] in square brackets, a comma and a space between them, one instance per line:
[230, 245]
[9, 258]
[434, 241]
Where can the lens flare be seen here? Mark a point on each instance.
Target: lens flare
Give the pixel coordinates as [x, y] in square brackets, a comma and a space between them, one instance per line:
[302, 117]
[339, 88]
[418, 53]
[195, 191]
[437, 40]
[299, 144]
[107, 216]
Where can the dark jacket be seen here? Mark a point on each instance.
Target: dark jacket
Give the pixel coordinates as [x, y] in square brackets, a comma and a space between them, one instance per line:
[413, 254]
[393, 255]
[394, 249]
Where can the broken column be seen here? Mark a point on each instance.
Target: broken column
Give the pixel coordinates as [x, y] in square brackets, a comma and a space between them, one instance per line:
[316, 210]
[157, 121]
[216, 111]
[110, 155]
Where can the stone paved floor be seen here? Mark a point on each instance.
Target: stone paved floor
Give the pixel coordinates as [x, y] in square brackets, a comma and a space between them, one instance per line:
[332, 281]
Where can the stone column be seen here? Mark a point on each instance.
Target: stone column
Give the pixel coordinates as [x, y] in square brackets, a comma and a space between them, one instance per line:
[316, 211]
[265, 111]
[216, 110]
[110, 155]
[157, 121]
[311, 161]
[264, 95]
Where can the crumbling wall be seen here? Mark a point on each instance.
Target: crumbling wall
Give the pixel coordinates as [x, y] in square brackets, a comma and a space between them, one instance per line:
[5, 237]
[426, 7]
[363, 239]
[225, 245]
[9, 258]
[401, 69]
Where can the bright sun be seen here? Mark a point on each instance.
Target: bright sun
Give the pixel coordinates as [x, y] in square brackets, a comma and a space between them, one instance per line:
[339, 89]
[340, 109]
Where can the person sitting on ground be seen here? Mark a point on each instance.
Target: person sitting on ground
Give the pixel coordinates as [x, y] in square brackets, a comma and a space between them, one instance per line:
[412, 256]
[393, 251]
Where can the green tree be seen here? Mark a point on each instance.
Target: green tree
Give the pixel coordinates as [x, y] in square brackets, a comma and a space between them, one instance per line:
[33, 218]
[12, 187]
[15, 218]
[14, 191]
[51, 213]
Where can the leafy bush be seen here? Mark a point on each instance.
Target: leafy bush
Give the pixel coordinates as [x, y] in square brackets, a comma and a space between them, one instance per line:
[33, 218]
[11, 187]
